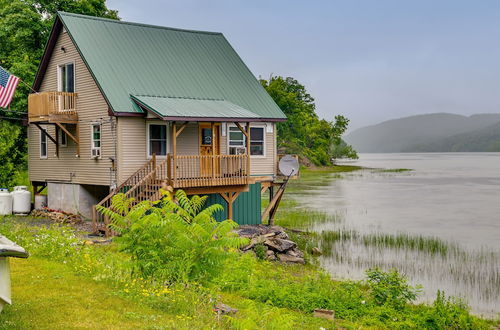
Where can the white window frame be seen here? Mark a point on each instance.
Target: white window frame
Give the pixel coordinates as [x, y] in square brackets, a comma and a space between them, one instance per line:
[59, 78]
[167, 142]
[92, 125]
[263, 126]
[43, 134]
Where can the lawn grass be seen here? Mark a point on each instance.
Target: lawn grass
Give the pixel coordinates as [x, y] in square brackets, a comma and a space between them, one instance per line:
[48, 295]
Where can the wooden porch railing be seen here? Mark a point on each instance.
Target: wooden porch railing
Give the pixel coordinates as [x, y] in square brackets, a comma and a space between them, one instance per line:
[179, 172]
[43, 106]
[185, 171]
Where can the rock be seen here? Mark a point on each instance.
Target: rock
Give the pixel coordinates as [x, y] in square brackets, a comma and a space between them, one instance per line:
[282, 235]
[290, 259]
[254, 241]
[324, 314]
[270, 255]
[279, 244]
[224, 309]
[316, 251]
[295, 253]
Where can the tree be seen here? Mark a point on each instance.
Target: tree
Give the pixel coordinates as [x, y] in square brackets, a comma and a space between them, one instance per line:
[304, 133]
[24, 29]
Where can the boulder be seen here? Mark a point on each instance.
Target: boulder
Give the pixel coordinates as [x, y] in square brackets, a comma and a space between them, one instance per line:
[224, 309]
[290, 259]
[280, 245]
[295, 253]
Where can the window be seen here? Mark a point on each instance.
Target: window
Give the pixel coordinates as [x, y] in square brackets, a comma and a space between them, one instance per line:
[67, 78]
[96, 141]
[206, 136]
[257, 141]
[157, 143]
[237, 141]
[63, 139]
[43, 144]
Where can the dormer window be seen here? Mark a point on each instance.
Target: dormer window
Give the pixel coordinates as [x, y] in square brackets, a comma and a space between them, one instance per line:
[66, 77]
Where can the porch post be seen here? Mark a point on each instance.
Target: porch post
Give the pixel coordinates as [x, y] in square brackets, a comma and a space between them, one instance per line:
[248, 148]
[174, 147]
[212, 126]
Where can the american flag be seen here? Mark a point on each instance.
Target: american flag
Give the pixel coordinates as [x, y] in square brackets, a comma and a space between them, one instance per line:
[8, 84]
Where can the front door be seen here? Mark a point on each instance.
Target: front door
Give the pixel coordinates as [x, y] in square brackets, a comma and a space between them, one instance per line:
[209, 145]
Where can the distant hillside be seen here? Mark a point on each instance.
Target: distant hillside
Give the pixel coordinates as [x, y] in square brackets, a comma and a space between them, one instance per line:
[484, 139]
[422, 133]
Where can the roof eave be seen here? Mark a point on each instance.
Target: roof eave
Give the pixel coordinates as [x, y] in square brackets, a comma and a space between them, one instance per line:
[145, 107]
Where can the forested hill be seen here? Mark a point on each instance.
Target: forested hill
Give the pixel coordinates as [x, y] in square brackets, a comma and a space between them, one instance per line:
[438, 132]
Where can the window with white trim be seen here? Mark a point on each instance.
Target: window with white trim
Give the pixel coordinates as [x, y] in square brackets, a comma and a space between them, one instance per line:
[257, 141]
[43, 144]
[96, 139]
[157, 139]
[237, 141]
[67, 77]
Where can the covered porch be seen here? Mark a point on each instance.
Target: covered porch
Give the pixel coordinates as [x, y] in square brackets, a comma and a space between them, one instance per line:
[198, 153]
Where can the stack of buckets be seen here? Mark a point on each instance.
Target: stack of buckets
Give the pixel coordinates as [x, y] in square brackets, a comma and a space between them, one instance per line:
[17, 202]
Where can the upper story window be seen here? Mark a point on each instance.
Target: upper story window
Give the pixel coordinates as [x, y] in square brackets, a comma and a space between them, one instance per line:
[257, 141]
[157, 139]
[43, 144]
[237, 141]
[67, 78]
[96, 140]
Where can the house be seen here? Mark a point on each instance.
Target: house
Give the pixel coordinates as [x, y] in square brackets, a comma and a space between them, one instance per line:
[128, 107]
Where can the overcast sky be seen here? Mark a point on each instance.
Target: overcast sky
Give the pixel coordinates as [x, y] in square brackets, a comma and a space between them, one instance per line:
[370, 60]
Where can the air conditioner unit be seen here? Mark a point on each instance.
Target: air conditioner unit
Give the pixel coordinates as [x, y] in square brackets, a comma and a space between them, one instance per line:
[240, 150]
[96, 153]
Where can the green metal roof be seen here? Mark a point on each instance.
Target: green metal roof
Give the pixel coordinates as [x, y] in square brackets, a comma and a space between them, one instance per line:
[174, 108]
[138, 59]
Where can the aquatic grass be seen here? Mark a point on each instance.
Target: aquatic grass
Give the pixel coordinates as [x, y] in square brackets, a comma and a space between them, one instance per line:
[428, 244]
[392, 170]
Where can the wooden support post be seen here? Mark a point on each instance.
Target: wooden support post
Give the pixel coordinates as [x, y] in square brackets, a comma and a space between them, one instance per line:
[248, 148]
[174, 149]
[183, 126]
[57, 139]
[154, 165]
[212, 126]
[75, 139]
[230, 197]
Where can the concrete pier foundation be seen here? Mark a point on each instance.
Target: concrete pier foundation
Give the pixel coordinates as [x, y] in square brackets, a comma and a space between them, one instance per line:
[75, 198]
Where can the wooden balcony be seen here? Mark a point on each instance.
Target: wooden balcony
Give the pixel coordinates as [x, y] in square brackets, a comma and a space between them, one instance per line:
[183, 171]
[52, 107]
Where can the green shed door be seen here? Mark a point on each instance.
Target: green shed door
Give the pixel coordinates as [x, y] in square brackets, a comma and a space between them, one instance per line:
[246, 208]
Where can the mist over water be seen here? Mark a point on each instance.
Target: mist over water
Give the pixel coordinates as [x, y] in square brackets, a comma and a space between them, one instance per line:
[439, 223]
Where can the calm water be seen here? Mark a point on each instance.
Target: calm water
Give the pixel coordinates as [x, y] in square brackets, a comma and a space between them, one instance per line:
[452, 197]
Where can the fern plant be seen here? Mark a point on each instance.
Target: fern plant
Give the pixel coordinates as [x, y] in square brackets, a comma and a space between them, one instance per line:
[175, 239]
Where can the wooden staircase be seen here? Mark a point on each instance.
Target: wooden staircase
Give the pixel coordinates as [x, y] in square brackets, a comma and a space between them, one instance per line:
[142, 185]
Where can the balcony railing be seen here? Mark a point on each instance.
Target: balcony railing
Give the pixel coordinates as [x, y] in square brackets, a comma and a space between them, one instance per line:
[52, 107]
[183, 171]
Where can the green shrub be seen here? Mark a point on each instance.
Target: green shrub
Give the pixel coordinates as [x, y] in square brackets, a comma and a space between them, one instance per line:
[390, 288]
[175, 239]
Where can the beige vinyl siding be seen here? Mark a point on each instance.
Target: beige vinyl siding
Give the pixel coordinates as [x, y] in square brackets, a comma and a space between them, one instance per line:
[259, 165]
[91, 107]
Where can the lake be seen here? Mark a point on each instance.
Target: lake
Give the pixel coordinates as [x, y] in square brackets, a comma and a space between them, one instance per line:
[439, 223]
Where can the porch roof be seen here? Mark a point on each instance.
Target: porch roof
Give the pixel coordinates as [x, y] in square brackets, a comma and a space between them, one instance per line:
[177, 108]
